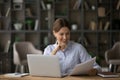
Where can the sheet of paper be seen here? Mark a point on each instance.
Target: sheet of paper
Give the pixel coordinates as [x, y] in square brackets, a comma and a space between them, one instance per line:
[16, 74]
[83, 68]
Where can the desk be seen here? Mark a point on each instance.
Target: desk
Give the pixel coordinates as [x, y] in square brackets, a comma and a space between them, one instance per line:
[64, 78]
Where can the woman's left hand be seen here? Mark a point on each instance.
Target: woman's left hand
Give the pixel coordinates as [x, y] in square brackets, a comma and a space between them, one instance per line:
[92, 72]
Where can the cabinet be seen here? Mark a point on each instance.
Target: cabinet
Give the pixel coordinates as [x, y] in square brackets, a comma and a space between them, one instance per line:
[5, 62]
[97, 22]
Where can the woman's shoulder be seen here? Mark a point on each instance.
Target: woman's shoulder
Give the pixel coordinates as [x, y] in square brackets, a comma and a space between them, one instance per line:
[49, 46]
[75, 44]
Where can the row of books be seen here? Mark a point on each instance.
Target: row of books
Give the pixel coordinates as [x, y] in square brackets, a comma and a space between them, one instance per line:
[105, 26]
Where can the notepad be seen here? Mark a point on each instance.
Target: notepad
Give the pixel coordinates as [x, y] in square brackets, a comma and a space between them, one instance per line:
[108, 74]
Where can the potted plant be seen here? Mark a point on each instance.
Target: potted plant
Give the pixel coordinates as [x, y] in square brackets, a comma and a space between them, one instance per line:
[29, 24]
[18, 26]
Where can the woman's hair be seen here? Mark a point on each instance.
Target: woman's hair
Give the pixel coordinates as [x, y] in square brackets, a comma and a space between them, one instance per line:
[59, 23]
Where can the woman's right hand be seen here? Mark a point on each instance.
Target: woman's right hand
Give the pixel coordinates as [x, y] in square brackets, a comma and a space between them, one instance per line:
[55, 50]
[60, 46]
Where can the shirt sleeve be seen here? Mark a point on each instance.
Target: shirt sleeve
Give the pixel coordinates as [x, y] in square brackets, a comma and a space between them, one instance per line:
[47, 50]
[84, 56]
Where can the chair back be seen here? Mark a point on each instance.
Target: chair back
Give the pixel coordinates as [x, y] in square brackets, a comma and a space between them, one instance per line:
[116, 49]
[113, 53]
[21, 49]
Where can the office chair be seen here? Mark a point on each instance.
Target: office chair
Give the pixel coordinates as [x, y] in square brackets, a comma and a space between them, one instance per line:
[20, 51]
[112, 57]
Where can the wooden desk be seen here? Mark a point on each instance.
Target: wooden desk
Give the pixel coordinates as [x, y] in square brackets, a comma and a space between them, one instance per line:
[64, 78]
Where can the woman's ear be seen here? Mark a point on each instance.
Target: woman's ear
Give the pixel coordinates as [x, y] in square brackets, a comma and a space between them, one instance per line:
[54, 33]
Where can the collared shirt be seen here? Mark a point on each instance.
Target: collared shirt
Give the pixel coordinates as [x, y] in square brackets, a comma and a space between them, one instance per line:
[72, 55]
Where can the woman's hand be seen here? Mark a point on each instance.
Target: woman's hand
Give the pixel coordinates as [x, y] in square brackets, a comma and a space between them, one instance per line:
[60, 46]
[55, 50]
[92, 72]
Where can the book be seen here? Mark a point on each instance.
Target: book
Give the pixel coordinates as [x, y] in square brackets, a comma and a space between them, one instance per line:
[107, 25]
[7, 46]
[86, 5]
[77, 4]
[43, 5]
[36, 24]
[108, 74]
[7, 13]
[28, 12]
[118, 5]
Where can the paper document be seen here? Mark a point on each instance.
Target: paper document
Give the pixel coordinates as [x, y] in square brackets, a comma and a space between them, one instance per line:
[83, 68]
[16, 74]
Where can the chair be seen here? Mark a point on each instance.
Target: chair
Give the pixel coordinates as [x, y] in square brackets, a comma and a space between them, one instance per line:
[20, 51]
[112, 57]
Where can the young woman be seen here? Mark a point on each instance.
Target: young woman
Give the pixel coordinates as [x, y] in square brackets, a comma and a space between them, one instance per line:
[70, 53]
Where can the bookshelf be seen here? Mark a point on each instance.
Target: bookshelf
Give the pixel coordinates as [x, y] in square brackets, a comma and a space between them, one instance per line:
[98, 26]
[95, 23]
[5, 19]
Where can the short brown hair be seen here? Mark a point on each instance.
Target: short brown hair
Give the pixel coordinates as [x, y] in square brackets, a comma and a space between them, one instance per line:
[59, 23]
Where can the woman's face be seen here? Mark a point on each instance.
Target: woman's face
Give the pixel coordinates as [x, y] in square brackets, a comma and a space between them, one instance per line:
[63, 35]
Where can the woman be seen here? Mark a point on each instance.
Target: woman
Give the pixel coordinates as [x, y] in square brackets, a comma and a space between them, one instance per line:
[70, 53]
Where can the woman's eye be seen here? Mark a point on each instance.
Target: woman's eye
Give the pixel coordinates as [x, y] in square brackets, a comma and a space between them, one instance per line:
[61, 34]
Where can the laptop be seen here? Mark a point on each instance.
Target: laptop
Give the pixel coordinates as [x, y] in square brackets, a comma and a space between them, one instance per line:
[43, 65]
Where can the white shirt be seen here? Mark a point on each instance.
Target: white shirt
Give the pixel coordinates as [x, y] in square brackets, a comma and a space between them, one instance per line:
[74, 54]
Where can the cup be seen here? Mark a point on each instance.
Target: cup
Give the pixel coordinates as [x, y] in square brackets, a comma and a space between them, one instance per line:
[18, 26]
[74, 26]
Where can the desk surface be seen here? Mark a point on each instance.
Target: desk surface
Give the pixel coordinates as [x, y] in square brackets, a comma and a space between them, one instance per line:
[64, 78]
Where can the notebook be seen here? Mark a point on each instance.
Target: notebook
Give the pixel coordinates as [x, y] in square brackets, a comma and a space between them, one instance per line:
[43, 65]
[108, 74]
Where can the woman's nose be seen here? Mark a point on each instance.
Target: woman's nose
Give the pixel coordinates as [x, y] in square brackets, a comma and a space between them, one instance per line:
[64, 37]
